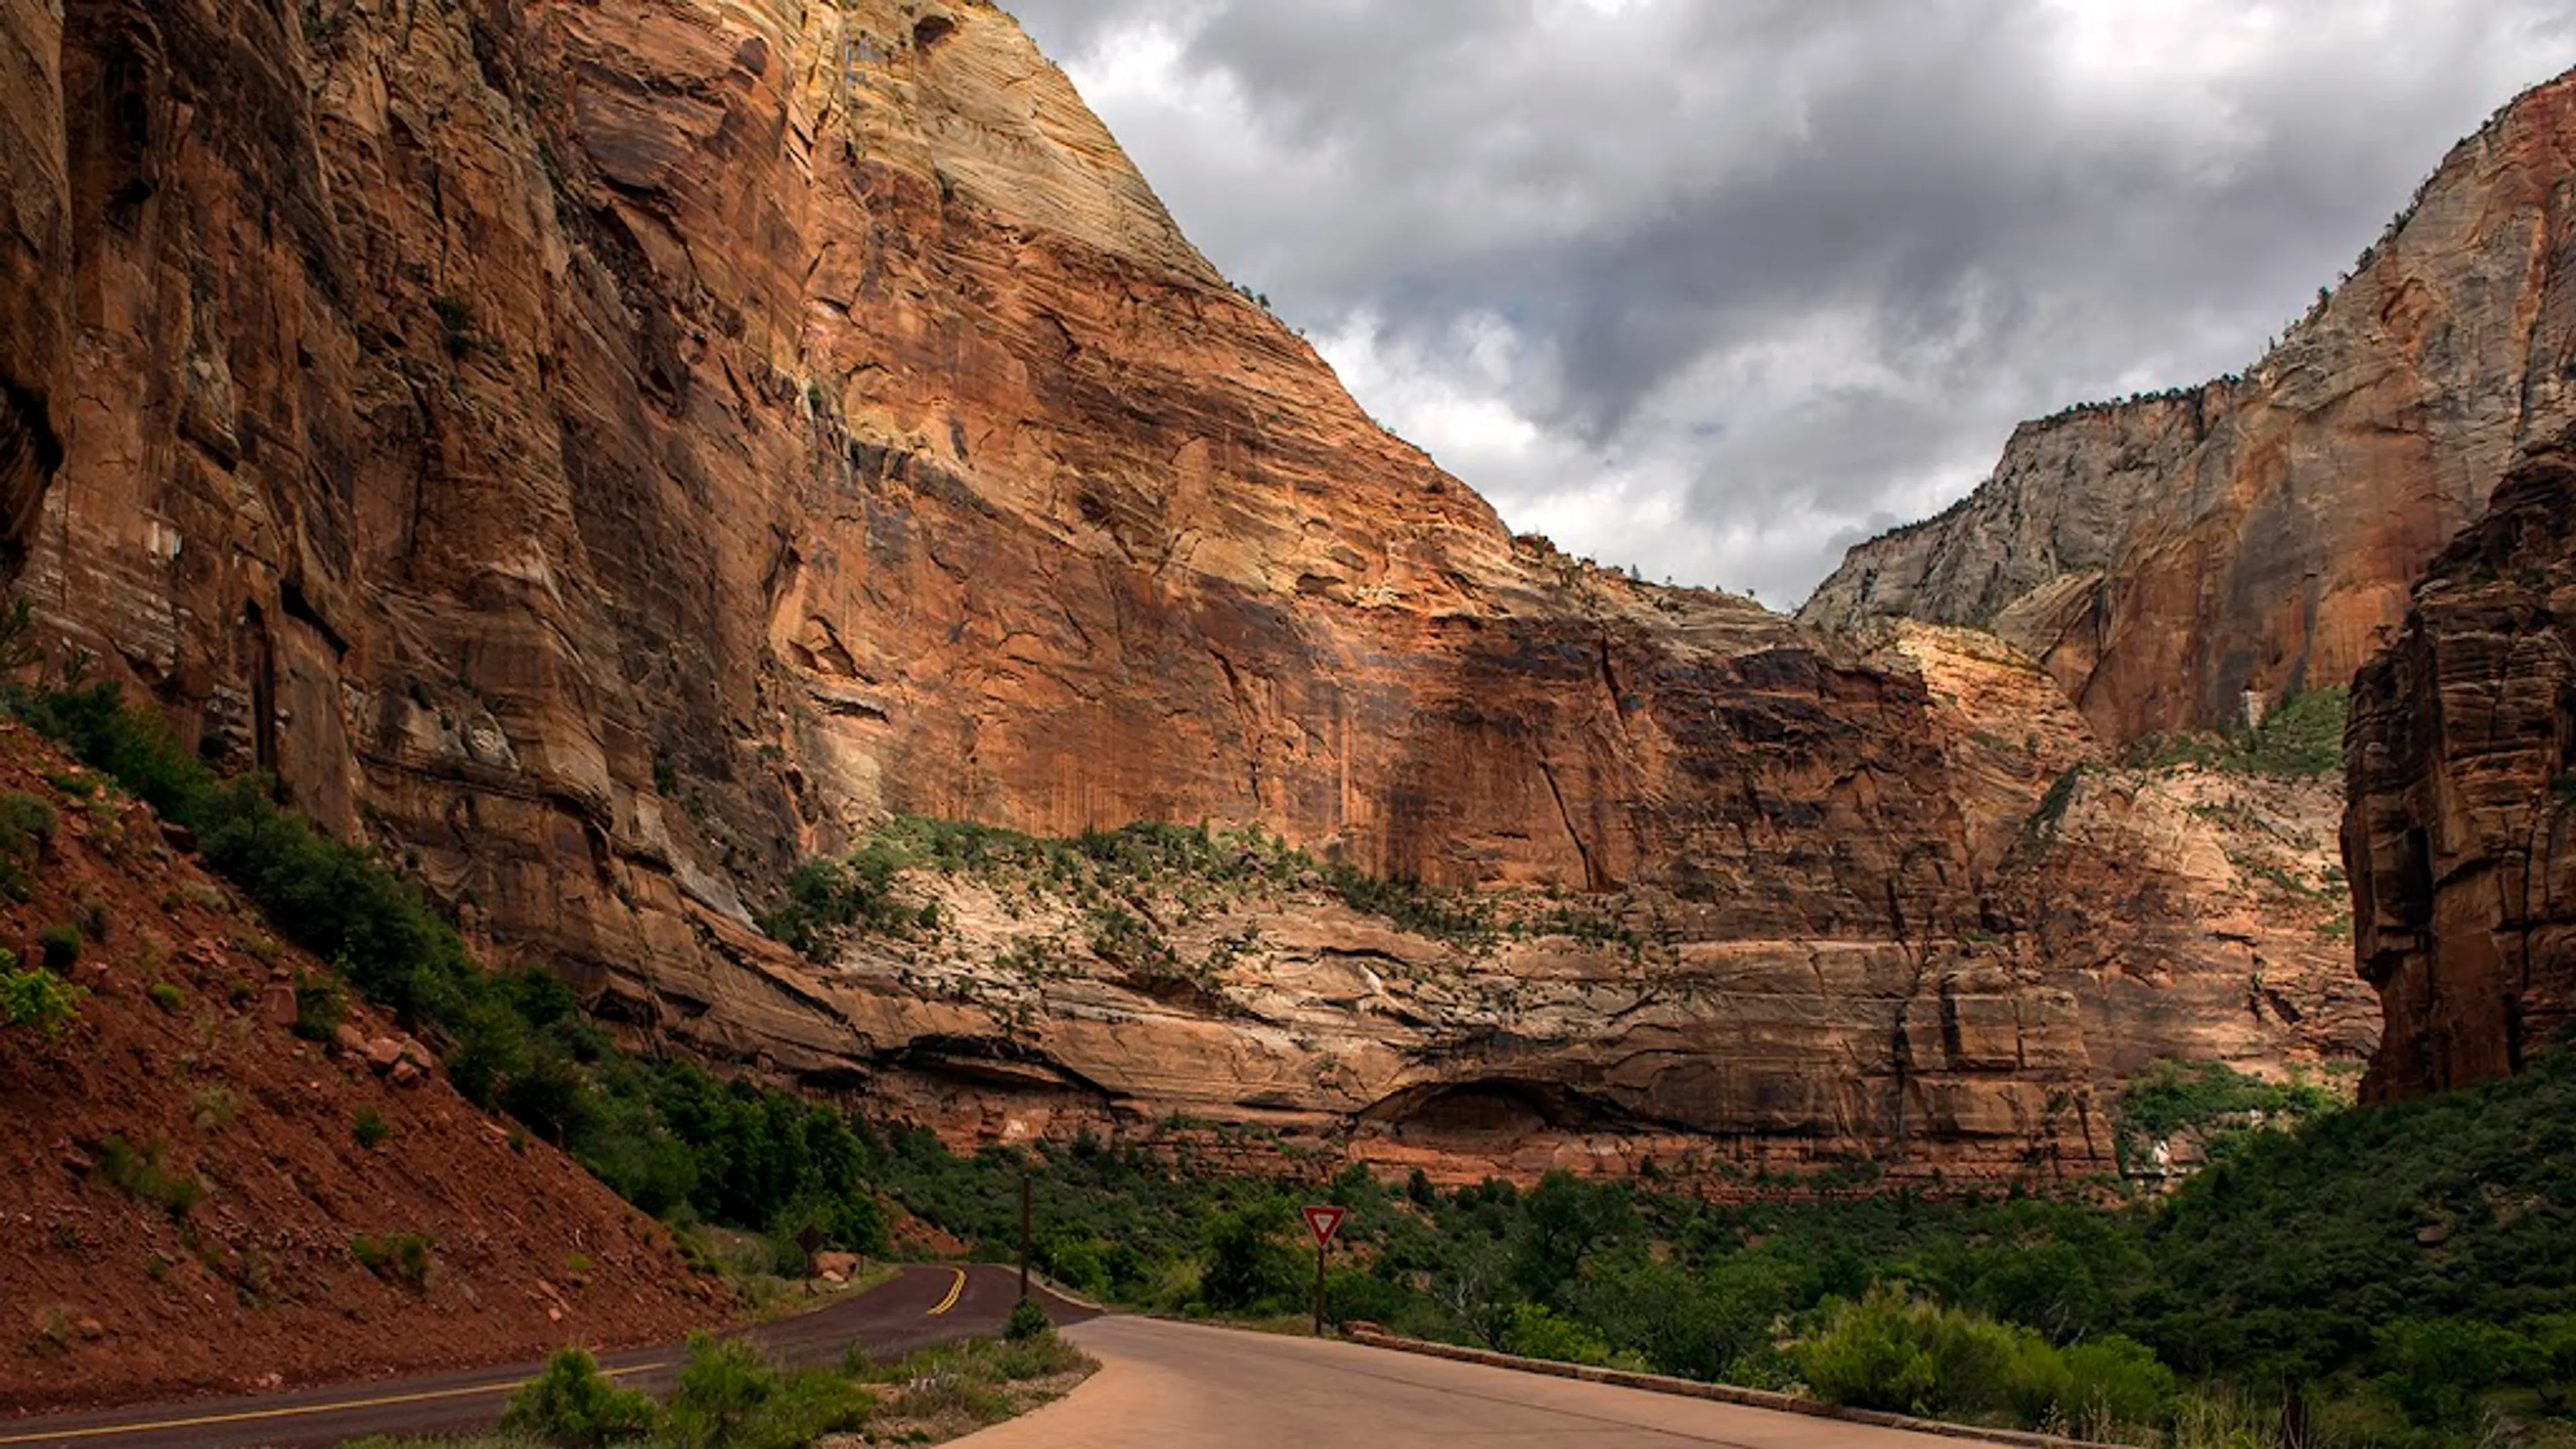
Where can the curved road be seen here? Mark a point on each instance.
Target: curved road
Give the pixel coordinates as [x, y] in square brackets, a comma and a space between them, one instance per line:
[925, 1304]
[1184, 1384]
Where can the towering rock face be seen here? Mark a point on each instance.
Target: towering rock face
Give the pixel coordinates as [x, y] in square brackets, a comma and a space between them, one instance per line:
[2461, 833]
[601, 453]
[35, 265]
[2165, 556]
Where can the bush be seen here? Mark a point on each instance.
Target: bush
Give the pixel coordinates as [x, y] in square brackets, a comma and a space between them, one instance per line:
[37, 998]
[321, 1004]
[728, 1397]
[1891, 1351]
[142, 1173]
[1028, 1320]
[60, 946]
[166, 996]
[1248, 1268]
[574, 1406]
[370, 1128]
[402, 1257]
[1535, 1332]
[26, 830]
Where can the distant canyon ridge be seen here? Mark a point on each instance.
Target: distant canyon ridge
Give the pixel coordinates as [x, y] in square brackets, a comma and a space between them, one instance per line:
[602, 455]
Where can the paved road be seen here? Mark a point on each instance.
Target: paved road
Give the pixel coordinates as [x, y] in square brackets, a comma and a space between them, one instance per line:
[1182, 1384]
[922, 1306]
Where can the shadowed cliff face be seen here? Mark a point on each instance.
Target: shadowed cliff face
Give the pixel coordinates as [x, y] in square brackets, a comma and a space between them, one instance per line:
[2166, 556]
[2462, 760]
[602, 453]
[35, 267]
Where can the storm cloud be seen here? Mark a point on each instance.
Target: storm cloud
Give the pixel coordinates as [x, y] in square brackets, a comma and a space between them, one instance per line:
[1717, 289]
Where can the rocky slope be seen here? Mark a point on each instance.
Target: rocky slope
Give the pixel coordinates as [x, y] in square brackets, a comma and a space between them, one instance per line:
[605, 453]
[2463, 776]
[190, 1180]
[2168, 556]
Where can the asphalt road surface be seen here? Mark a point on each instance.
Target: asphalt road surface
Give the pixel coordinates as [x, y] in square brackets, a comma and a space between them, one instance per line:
[922, 1306]
[1182, 1384]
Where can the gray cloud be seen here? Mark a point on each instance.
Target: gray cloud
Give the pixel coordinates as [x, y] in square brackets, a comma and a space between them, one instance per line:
[1717, 289]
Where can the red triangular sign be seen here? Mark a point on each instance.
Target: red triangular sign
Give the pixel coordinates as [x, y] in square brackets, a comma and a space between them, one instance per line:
[1323, 1222]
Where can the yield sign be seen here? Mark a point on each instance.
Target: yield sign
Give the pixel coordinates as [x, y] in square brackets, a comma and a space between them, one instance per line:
[1323, 1222]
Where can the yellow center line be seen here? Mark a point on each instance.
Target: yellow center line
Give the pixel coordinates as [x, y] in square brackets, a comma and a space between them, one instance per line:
[944, 1304]
[297, 1411]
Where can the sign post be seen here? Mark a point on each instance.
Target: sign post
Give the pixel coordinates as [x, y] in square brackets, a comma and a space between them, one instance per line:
[1322, 1221]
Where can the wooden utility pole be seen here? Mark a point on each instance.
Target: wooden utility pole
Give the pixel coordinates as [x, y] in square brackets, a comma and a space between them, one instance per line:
[1024, 1232]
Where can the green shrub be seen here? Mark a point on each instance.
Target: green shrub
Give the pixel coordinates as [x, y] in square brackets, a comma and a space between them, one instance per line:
[728, 1397]
[370, 1128]
[142, 1173]
[37, 998]
[1537, 1332]
[26, 831]
[166, 996]
[397, 1258]
[321, 1004]
[60, 946]
[573, 1405]
[1248, 1268]
[1891, 1351]
[1028, 1320]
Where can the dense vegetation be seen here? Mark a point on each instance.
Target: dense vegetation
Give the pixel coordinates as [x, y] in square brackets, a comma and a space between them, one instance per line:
[2302, 736]
[2410, 1271]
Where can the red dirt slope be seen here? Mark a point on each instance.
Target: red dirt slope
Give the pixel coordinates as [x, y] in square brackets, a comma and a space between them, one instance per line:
[108, 1295]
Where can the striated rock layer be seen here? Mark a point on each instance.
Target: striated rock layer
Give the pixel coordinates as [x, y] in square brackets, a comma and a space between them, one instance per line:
[2166, 556]
[2461, 834]
[602, 453]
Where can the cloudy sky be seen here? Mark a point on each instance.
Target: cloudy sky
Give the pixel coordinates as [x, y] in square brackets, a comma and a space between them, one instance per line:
[1718, 287]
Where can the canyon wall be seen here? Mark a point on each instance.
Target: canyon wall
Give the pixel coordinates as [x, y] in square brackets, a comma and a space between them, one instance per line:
[603, 453]
[35, 266]
[2461, 834]
[2166, 556]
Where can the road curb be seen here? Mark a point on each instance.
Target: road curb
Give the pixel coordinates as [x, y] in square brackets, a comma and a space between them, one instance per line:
[1721, 1393]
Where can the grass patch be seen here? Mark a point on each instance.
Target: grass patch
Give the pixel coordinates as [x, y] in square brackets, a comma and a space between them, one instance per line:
[941, 1391]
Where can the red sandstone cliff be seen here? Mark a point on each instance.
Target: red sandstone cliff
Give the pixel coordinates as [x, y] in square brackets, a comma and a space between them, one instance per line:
[2461, 835]
[2166, 556]
[602, 452]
